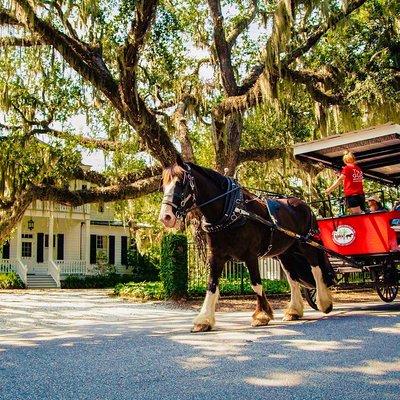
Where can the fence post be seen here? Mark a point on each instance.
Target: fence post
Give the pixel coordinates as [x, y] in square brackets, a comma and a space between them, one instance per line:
[241, 279]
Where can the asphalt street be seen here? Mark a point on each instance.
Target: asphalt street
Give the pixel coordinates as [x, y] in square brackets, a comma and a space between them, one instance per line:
[85, 345]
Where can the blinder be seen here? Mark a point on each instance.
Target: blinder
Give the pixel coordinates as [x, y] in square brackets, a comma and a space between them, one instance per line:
[184, 196]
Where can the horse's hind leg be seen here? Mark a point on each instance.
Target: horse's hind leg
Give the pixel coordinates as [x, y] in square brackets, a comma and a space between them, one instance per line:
[295, 308]
[263, 313]
[318, 261]
[205, 320]
[324, 296]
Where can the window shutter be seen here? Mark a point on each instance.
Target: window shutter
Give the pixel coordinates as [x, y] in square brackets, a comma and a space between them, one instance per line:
[60, 246]
[6, 250]
[40, 248]
[92, 249]
[124, 250]
[111, 250]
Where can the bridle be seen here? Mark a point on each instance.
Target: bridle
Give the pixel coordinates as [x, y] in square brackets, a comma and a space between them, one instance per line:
[180, 200]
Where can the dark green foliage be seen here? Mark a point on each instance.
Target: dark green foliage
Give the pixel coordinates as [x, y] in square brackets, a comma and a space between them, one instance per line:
[94, 282]
[145, 267]
[174, 265]
[11, 280]
[229, 287]
[141, 290]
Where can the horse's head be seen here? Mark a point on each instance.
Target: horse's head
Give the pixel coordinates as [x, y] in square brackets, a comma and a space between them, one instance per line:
[179, 193]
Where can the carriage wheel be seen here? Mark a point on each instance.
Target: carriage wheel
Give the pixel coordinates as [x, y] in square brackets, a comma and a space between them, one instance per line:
[387, 284]
[311, 297]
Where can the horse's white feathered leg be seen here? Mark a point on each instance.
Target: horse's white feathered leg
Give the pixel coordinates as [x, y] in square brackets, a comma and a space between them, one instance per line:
[295, 308]
[205, 321]
[324, 296]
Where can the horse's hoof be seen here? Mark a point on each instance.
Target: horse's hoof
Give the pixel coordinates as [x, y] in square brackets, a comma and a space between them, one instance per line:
[201, 328]
[291, 317]
[329, 309]
[259, 322]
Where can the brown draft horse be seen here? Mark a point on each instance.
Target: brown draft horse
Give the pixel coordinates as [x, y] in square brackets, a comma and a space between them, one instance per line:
[230, 236]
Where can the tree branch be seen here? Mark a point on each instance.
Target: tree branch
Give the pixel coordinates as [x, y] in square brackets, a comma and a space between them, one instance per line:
[242, 24]
[223, 48]
[104, 144]
[261, 155]
[102, 194]
[314, 37]
[8, 19]
[19, 42]
[80, 56]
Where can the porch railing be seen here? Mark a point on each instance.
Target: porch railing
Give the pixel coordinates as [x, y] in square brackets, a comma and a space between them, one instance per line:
[71, 267]
[54, 271]
[22, 271]
[8, 266]
[14, 265]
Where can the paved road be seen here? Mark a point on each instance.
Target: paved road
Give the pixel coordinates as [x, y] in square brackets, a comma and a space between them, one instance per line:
[84, 345]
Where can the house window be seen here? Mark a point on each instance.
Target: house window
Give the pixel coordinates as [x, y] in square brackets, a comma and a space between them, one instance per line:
[27, 236]
[100, 242]
[84, 187]
[26, 250]
[101, 208]
[46, 240]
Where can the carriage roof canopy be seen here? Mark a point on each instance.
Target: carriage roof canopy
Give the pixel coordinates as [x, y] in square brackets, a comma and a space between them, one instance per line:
[377, 150]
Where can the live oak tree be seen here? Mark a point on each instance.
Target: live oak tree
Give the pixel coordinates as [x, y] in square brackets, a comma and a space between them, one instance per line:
[227, 82]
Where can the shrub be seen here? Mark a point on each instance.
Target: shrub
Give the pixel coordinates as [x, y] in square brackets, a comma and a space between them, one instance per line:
[11, 280]
[141, 290]
[94, 281]
[229, 287]
[144, 266]
[174, 265]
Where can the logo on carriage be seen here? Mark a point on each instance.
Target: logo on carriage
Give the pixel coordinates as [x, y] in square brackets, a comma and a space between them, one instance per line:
[344, 235]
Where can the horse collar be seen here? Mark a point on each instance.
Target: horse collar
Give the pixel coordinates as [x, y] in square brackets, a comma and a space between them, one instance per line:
[230, 218]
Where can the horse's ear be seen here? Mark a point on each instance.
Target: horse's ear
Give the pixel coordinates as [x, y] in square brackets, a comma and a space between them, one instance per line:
[179, 160]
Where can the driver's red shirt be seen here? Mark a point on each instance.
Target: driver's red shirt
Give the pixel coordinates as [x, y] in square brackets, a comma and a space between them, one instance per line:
[353, 180]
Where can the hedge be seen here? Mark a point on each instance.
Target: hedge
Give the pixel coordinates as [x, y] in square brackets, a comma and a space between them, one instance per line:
[174, 265]
[11, 280]
[94, 281]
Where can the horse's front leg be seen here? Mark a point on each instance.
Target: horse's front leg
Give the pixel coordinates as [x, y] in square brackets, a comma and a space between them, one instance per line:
[205, 321]
[263, 312]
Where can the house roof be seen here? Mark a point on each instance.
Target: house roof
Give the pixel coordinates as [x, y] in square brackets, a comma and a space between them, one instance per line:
[377, 150]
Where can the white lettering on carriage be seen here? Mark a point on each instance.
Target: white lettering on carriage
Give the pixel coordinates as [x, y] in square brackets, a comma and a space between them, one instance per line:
[207, 312]
[258, 289]
[324, 297]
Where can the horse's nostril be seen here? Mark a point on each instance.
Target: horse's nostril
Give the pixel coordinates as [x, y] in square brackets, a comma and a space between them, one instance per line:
[167, 217]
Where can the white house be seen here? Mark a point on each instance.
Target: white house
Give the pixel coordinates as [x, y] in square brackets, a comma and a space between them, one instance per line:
[52, 241]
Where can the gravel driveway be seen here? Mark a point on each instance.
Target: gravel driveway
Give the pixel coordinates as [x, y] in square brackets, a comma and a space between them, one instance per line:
[85, 345]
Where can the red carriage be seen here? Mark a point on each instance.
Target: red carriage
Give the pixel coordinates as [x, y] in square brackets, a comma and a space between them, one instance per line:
[367, 242]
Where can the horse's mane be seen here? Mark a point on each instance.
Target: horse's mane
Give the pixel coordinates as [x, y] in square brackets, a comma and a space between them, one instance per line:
[171, 172]
[176, 170]
[219, 179]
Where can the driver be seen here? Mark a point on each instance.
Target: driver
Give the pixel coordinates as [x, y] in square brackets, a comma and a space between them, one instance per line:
[352, 179]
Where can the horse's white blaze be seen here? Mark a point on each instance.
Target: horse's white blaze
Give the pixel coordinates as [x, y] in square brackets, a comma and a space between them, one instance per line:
[167, 216]
[296, 305]
[324, 297]
[207, 312]
[258, 289]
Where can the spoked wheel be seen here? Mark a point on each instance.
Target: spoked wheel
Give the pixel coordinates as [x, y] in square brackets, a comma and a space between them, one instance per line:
[387, 283]
[311, 297]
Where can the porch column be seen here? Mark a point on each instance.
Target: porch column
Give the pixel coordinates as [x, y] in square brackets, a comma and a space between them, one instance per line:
[18, 253]
[87, 243]
[51, 237]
